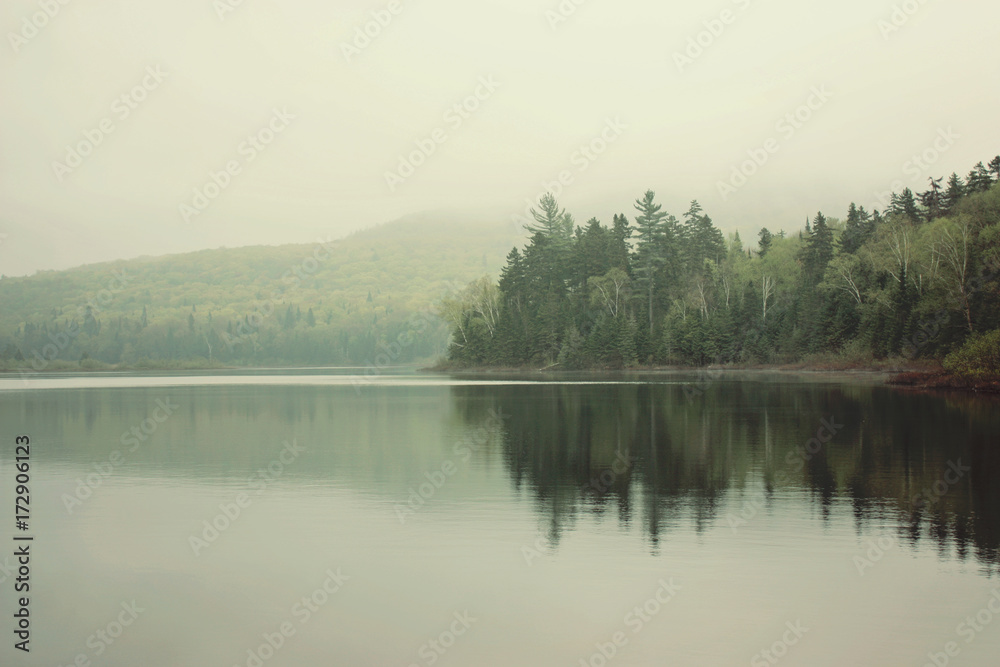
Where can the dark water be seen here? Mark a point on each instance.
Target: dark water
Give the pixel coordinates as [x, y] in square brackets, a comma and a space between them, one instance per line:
[425, 520]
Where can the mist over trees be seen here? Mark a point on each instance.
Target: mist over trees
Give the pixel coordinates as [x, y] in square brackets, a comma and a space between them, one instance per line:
[366, 299]
[915, 280]
[918, 280]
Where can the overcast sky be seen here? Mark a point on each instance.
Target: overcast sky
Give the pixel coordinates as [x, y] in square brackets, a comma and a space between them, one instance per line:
[538, 84]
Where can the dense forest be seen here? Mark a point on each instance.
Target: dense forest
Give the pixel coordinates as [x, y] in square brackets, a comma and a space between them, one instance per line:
[366, 299]
[916, 280]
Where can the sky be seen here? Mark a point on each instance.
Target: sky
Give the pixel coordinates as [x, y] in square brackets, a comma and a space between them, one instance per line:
[147, 128]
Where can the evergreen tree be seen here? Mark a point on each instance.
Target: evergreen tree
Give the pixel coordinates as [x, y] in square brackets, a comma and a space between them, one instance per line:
[512, 275]
[994, 167]
[905, 204]
[618, 253]
[953, 193]
[764, 242]
[650, 255]
[686, 236]
[592, 252]
[979, 179]
[857, 229]
[573, 297]
[700, 240]
[903, 298]
[819, 247]
[551, 221]
[933, 199]
[513, 321]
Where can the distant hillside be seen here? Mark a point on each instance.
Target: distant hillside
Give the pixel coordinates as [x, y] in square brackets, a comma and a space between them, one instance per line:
[342, 302]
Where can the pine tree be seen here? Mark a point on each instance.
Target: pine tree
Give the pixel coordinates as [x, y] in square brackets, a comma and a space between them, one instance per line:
[978, 180]
[902, 301]
[700, 240]
[819, 247]
[905, 204]
[994, 167]
[953, 193]
[857, 229]
[764, 243]
[591, 252]
[512, 275]
[649, 248]
[618, 253]
[933, 199]
[687, 236]
[551, 221]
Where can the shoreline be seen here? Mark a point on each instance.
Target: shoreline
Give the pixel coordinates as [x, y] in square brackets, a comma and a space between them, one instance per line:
[920, 376]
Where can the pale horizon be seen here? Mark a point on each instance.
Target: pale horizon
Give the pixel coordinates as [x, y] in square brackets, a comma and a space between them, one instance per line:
[537, 86]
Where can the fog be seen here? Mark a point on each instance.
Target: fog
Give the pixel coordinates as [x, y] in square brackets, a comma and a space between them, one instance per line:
[146, 128]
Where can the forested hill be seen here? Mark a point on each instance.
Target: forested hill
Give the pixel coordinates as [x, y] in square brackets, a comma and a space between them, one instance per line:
[344, 302]
[916, 280]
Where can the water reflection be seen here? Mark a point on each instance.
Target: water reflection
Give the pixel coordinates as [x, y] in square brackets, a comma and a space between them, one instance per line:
[657, 455]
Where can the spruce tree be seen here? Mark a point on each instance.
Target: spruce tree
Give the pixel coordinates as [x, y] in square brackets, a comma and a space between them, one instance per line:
[979, 179]
[905, 204]
[857, 229]
[765, 239]
[933, 199]
[649, 248]
[618, 253]
[819, 247]
[953, 193]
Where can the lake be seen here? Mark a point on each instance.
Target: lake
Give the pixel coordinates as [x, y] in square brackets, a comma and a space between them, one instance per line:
[317, 518]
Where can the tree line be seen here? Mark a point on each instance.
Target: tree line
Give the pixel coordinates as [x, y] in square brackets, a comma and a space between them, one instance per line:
[365, 299]
[915, 280]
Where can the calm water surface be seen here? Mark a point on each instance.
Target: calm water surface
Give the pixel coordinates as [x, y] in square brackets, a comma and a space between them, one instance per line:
[427, 520]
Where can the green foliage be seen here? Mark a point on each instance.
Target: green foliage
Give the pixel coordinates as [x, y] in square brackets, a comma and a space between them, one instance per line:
[857, 230]
[911, 281]
[978, 357]
[339, 304]
[764, 244]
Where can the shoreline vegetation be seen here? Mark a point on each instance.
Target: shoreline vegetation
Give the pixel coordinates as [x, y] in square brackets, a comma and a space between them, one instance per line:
[913, 288]
[324, 304]
[912, 292]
